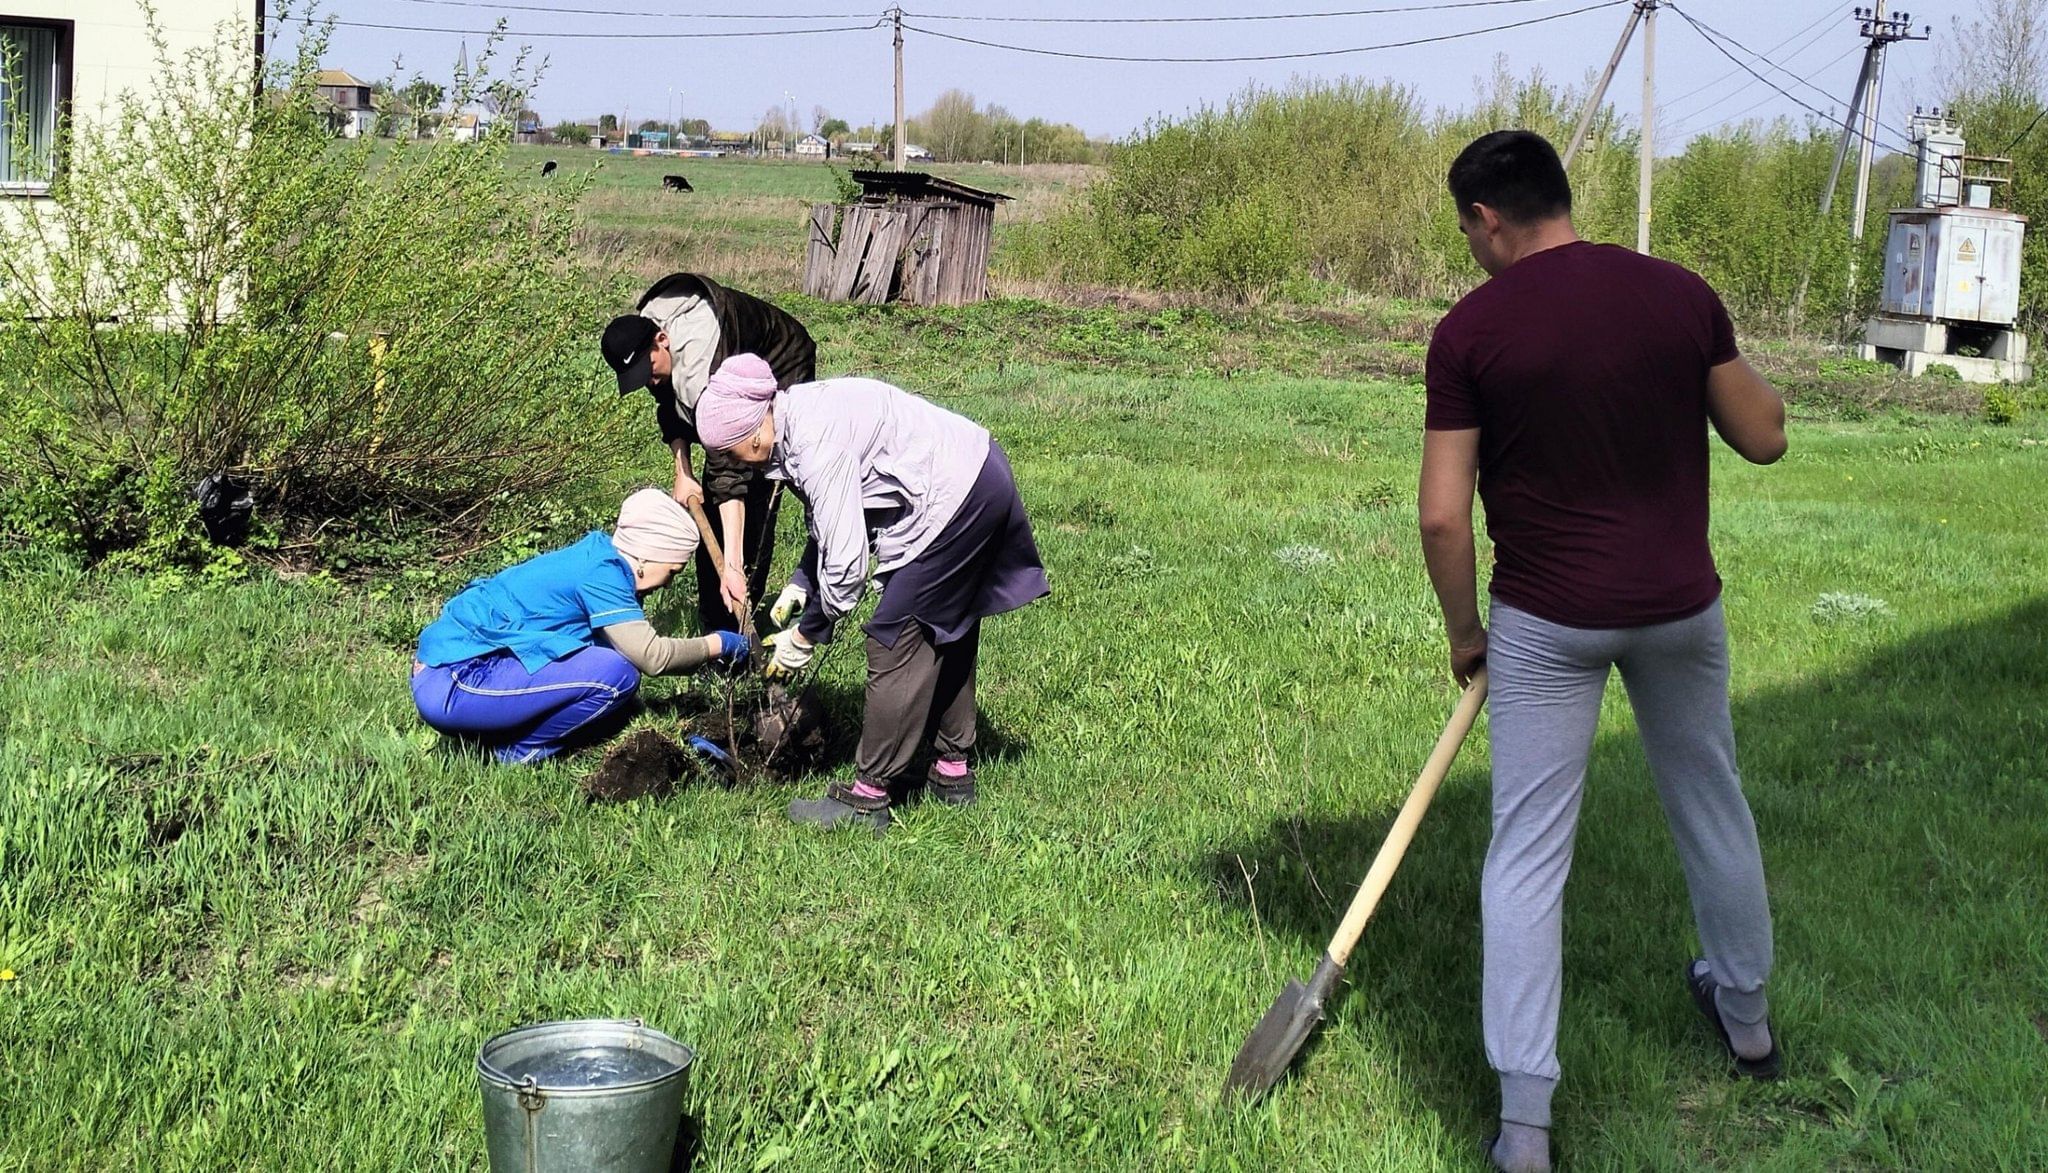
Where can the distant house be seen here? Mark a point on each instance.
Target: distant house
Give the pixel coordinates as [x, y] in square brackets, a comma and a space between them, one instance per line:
[862, 147]
[77, 57]
[912, 153]
[813, 147]
[467, 126]
[347, 99]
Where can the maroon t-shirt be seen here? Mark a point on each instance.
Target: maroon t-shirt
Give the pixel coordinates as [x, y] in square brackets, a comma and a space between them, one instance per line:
[1584, 367]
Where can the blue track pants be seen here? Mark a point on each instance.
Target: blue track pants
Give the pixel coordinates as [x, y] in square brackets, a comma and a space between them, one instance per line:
[524, 716]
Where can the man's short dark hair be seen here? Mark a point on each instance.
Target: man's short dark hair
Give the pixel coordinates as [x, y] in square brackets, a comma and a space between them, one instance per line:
[1516, 173]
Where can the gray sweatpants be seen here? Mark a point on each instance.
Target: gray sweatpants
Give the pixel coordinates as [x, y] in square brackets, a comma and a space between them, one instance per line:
[1547, 680]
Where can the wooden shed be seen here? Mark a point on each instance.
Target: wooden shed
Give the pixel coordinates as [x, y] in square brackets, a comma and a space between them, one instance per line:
[913, 237]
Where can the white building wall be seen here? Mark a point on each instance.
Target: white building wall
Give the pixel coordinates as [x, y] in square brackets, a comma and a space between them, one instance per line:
[111, 49]
[111, 54]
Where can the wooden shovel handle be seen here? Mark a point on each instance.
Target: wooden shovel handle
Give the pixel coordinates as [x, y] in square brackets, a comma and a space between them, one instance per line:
[705, 531]
[717, 552]
[1403, 830]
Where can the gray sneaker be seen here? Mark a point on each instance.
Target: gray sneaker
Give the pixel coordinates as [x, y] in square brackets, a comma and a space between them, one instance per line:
[841, 807]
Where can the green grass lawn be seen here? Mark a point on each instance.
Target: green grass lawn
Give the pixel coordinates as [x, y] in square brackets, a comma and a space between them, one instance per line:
[258, 917]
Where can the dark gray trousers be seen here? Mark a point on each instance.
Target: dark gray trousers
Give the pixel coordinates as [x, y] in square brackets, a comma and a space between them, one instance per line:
[1547, 681]
[757, 552]
[916, 691]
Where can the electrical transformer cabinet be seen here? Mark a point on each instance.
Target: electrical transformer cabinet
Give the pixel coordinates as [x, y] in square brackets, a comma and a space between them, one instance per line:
[1954, 264]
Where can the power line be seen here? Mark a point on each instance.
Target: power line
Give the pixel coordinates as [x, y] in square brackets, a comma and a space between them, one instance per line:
[1748, 86]
[1782, 92]
[1827, 17]
[632, 36]
[1215, 19]
[2022, 136]
[1266, 56]
[559, 10]
[1825, 96]
[1718, 123]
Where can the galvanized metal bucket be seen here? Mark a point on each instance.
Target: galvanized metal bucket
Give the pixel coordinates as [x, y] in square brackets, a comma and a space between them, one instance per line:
[593, 1095]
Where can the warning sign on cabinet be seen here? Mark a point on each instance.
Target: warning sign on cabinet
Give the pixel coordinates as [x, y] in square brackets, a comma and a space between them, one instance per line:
[1967, 250]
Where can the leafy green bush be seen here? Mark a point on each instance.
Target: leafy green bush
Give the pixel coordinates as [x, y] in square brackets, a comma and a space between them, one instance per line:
[2002, 404]
[217, 285]
[1342, 182]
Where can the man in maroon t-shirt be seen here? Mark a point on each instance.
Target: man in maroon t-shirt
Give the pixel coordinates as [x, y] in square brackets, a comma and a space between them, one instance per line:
[1576, 387]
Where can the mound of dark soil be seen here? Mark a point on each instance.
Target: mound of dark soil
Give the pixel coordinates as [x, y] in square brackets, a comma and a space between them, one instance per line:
[789, 732]
[644, 764]
[785, 736]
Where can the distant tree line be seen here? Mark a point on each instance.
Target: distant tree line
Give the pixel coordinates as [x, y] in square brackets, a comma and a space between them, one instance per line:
[1331, 187]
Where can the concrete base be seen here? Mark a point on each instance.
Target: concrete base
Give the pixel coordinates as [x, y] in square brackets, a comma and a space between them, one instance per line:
[1906, 334]
[1914, 346]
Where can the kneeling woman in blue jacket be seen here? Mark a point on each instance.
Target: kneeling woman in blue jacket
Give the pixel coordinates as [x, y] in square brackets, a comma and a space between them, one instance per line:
[527, 658]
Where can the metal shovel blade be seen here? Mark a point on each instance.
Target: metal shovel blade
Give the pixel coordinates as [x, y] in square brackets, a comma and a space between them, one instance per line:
[1271, 1047]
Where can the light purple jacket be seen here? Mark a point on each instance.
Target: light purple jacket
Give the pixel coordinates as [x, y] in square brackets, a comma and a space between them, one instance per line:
[859, 449]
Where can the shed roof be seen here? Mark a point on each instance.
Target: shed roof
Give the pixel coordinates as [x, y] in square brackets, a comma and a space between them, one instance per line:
[881, 186]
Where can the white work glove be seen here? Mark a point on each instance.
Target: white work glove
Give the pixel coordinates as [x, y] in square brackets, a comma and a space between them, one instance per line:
[789, 604]
[792, 654]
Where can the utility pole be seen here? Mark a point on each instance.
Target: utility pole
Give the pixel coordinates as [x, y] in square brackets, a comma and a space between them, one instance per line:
[896, 18]
[1827, 196]
[1880, 31]
[1644, 13]
[1599, 94]
[1646, 159]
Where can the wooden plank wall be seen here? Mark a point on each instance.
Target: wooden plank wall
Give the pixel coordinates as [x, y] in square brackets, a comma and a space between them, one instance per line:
[876, 279]
[922, 256]
[922, 253]
[821, 249]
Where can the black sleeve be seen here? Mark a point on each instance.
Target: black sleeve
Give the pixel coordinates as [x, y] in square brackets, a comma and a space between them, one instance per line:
[726, 478]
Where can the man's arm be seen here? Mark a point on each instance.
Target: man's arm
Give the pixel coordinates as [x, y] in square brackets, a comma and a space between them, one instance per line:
[1747, 411]
[732, 577]
[686, 480]
[1450, 468]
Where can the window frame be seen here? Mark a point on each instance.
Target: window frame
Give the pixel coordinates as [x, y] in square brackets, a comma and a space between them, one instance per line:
[61, 91]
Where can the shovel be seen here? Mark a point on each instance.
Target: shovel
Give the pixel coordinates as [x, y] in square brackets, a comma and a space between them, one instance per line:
[1298, 1010]
[717, 552]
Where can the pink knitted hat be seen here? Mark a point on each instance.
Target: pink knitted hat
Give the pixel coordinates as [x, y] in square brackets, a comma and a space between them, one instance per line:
[734, 401]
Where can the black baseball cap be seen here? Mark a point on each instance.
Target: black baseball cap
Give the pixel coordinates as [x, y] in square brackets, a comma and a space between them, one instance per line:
[628, 340]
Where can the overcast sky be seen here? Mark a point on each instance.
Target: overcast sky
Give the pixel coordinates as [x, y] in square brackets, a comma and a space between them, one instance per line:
[732, 80]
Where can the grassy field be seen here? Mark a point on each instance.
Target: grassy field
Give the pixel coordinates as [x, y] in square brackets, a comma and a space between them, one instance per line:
[256, 917]
[746, 218]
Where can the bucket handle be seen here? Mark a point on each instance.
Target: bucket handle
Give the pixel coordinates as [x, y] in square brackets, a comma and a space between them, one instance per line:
[529, 1086]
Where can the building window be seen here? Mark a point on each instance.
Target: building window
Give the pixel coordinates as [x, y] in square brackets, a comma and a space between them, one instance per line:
[35, 91]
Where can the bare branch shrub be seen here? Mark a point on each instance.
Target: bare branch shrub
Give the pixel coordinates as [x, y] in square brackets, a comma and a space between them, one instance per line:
[353, 329]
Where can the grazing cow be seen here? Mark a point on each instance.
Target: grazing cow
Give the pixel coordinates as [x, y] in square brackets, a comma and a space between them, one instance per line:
[676, 183]
[547, 168]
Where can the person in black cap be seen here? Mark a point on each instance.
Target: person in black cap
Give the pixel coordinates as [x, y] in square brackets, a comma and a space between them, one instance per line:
[683, 327]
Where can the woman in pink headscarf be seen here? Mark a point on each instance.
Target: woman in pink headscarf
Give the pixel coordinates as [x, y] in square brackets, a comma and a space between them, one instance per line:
[929, 497]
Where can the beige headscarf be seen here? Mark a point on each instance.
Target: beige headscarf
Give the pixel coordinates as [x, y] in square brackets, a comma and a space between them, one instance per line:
[654, 528]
